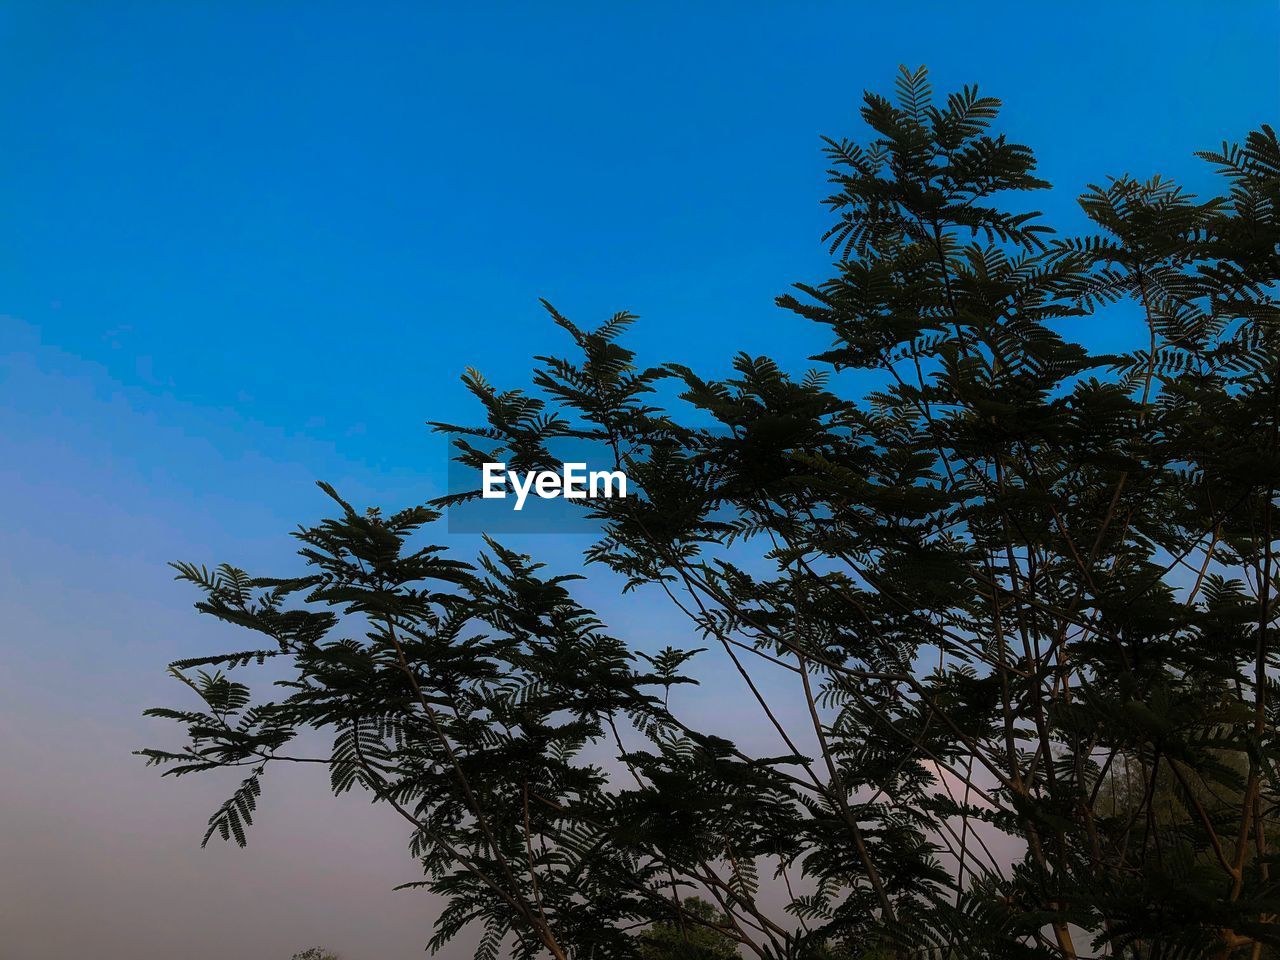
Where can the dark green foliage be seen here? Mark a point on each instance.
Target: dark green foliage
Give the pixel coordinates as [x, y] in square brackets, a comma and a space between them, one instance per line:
[673, 940]
[1025, 595]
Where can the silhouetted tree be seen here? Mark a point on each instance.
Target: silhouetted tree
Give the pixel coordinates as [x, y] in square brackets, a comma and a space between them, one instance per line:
[1006, 567]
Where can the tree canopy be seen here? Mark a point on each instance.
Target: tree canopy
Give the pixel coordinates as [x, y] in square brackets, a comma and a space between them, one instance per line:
[1024, 594]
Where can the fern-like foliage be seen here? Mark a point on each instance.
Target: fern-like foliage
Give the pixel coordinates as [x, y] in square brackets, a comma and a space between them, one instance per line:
[1021, 596]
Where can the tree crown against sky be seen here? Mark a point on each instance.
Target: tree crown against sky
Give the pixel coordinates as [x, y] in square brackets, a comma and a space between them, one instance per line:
[1021, 594]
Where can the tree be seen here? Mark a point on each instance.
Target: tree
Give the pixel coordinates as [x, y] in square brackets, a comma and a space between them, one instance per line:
[1010, 567]
[673, 941]
[315, 953]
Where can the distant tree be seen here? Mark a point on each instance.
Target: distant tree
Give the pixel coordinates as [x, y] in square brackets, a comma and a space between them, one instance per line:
[681, 940]
[993, 567]
[315, 953]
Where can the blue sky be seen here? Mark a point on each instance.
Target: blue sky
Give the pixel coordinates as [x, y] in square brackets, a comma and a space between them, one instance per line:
[247, 246]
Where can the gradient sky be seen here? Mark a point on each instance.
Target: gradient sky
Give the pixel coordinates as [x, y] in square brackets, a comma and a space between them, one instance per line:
[247, 246]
